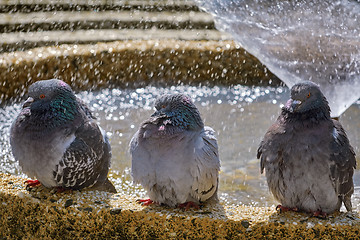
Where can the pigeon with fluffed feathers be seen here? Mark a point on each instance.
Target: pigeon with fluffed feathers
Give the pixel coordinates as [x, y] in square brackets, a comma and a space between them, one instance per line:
[308, 160]
[57, 141]
[174, 156]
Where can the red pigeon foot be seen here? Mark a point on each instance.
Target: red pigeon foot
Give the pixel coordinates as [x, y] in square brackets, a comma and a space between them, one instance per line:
[189, 205]
[62, 189]
[281, 209]
[319, 214]
[32, 183]
[145, 202]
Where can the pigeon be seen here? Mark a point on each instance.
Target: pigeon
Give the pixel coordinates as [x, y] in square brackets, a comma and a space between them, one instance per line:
[307, 157]
[56, 140]
[174, 156]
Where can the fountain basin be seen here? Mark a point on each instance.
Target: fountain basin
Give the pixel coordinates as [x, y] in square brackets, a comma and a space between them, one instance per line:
[108, 65]
[132, 63]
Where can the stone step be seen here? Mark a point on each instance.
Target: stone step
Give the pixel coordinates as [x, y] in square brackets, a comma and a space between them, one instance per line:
[63, 20]
[26, 6]
[22, 41]
[33, 23]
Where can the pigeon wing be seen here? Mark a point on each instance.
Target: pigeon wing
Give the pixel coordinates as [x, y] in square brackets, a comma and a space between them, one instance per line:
[86, 161]
[343, 163]
[271, 147]
[140, 158]
[206, 166]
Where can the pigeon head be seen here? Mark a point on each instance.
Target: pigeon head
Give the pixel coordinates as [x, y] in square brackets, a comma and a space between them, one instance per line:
[51, 100]
[178, 110]
[306, 98]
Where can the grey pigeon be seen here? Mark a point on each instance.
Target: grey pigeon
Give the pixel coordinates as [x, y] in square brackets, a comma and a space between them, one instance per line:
[57, 141]
[307, 157]
[174, 157]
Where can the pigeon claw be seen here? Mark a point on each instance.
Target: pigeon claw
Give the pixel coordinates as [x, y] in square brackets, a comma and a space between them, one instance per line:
[60, 189]
[145, 202]
[282, 209]
[189, 205]
[319, 214]
[32, 183]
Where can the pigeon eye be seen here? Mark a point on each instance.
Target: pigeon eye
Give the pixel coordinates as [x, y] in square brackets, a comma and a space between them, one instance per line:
[42, 96]
[163, 106]
[308, 95]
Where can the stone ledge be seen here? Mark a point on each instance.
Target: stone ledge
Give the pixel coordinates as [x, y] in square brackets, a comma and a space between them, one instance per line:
[132, 63]
[21, 41]
[64, 20]
[98, 215]
[95, 5]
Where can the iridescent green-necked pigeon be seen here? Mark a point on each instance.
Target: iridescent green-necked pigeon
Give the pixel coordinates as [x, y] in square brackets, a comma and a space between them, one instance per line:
[174, 157]
[306, 155]
[57, 141]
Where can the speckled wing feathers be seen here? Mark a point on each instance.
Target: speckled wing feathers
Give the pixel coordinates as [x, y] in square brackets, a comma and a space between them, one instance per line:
[86, 160]
[76, 169]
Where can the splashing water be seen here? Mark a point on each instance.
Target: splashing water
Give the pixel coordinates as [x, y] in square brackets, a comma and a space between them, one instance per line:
[297, 40]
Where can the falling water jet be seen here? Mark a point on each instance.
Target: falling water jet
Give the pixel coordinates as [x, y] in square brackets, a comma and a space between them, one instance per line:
[299, 40]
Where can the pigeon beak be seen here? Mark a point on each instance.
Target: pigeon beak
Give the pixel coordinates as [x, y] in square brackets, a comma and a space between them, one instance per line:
[292, 105]
[295, 104]
[155, 114]
[28, 102]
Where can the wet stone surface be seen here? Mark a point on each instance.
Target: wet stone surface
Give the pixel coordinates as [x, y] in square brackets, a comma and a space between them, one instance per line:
[41, 212]
[85, 202]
